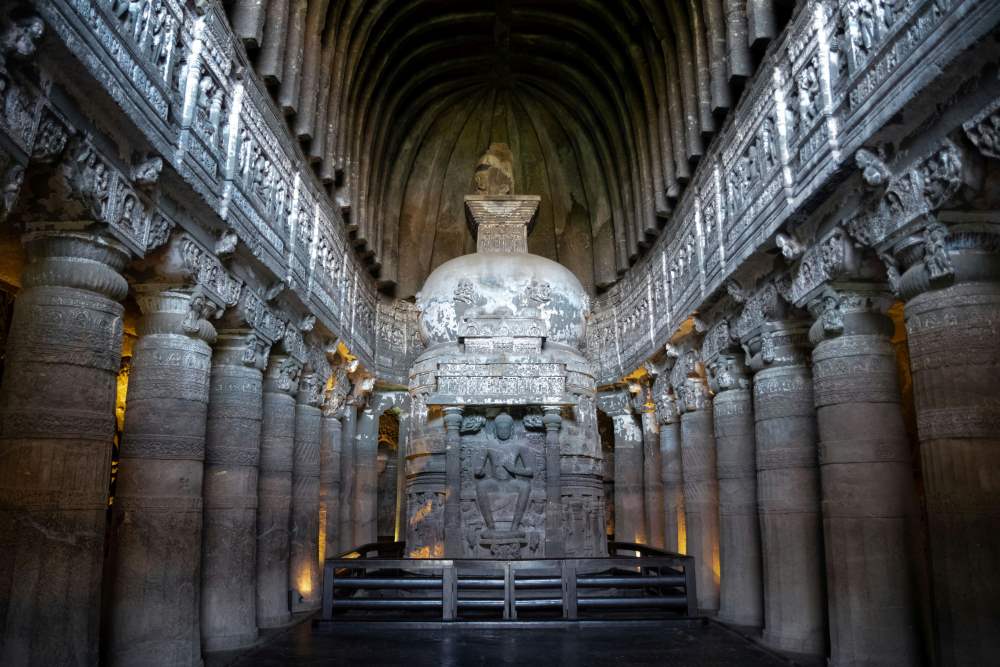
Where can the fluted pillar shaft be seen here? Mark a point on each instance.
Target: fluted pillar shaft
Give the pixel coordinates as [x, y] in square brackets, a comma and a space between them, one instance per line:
[366, 475]
[277, 442]
[741, 597]
[232, 456]
[157, 515]
[675, 526]
[630, 522]
[867, 485]
[652, 478]
[329, 486]
[348, 426]
[788, 491]
[953, 327]
[56, 430]
[701, 491]
[303, 573]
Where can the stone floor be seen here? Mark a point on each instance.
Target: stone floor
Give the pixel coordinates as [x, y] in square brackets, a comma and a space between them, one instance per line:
[674, 643]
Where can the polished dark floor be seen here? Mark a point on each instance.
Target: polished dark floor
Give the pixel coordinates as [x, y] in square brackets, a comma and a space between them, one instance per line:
[464, 646]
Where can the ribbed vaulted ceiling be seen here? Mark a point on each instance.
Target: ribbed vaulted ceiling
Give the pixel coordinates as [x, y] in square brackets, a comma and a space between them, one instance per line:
[606, 104]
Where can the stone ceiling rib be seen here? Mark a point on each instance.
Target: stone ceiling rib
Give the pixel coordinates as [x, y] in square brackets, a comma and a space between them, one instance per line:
[637, 87]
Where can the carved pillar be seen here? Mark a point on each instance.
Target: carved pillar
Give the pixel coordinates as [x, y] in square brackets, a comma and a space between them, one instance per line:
[952, 294]
[56, 429]
[867, 482]
[232, 455]
[630, 523]
[275, 490]
[329, 485]
[652, 473]
[552, 419]
[741, 601]
[303, 572]
[399, 529]
[366, 473]
[348, 425]
[788, 489]
[453, 482]
[675, 526]
[701, 490]
[157, 518]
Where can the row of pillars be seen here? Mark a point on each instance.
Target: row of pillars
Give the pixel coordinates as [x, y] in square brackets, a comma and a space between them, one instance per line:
[227, 463]
[793, 486]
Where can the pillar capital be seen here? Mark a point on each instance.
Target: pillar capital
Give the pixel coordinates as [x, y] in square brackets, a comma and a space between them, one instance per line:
[728, 371]
[666, 407]
[282, 374]
[82, 260]
[310, 391]
[552, 417]
[182, 311]
[846, 309]
[940, 254]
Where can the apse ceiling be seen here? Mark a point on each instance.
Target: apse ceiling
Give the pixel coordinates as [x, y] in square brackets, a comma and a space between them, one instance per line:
[606, 105]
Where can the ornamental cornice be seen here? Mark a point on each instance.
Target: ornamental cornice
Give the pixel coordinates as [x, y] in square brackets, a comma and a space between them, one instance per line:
[260, 317]
[201, 111]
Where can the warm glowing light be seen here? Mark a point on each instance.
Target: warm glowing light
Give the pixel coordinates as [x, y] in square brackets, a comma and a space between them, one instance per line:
[305, 584]
[682, 538]
[321, 550]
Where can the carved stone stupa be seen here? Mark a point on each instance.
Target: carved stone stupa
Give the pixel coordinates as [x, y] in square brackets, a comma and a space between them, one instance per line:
[504, 457]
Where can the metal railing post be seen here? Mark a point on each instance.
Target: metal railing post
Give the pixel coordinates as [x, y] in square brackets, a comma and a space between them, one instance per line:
[449, 592]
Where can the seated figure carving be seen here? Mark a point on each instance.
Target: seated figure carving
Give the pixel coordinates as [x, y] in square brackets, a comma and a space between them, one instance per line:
[505, 466]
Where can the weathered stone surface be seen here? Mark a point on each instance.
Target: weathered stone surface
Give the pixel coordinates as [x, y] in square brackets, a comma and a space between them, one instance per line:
[675, 525]
[952, 325]
[652, 478]
[630, 515]
[156, 525]
[347, 477]
[329, 486]
[274, 489]
[232, 458]
[701, 492]
[364, 514]
[867, 486]
[56, 431]
[303, 566]
[741, 597]
[788, 499]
